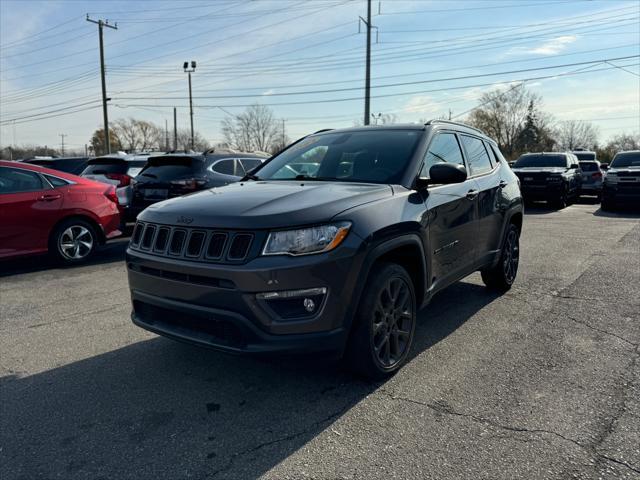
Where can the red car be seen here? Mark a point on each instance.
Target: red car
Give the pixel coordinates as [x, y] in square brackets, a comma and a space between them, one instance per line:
[43, 210]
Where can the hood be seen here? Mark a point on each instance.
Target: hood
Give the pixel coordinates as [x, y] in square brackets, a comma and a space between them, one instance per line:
[540, 170]
[267, 204]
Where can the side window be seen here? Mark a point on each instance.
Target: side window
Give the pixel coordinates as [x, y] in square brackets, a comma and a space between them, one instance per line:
[56, 182]
[225, 167]
[249, 164]
[14, 180]
[443, 148]
[476, 155]
[492, 154]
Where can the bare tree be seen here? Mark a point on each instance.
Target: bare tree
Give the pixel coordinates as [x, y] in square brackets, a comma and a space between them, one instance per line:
[572, 134]
[138, 135]
[200, 144]
[619, 143]
[256, 129]
[503, 113]
[98, 144]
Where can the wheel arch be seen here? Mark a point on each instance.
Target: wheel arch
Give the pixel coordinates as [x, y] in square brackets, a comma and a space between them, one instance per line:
[87, 218]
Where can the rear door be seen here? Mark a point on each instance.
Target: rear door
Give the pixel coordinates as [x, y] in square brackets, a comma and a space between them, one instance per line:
[483, 168]
[29, 208]
[452, 211]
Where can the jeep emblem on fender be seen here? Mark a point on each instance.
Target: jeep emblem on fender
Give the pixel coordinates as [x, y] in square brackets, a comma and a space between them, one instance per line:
[185, 220]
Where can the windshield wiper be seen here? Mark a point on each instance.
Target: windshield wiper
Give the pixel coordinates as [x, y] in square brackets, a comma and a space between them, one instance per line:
[250, 176]
[308, 177]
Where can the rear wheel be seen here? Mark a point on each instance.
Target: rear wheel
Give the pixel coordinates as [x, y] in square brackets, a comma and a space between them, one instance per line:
[73, 241]
[502, 276]
[384, 325]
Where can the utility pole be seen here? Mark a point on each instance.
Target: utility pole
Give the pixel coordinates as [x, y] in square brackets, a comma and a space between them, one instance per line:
[62, 135]
[188, 70]
[450, 113]
[175, 130]
[105, 116]
[86, 150]
[283, 134]
[367, 81]
[166, 136]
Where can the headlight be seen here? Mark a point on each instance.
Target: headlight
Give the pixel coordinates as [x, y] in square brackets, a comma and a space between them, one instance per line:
[611, 177]
[304, 241]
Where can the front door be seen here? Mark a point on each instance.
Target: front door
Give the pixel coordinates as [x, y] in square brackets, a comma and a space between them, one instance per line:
[452, 214]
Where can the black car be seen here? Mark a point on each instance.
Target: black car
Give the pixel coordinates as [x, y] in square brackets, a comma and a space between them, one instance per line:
[72, 165]
[621, 185]
[552, 177]
[173, 175]
[336, 261]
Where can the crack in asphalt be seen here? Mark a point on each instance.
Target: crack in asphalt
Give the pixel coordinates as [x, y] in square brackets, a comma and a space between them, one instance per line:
[448, 410]
[286, 438]
[586, 324]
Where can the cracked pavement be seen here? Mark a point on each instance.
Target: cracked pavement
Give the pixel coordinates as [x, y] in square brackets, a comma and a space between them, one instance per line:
[542, 382]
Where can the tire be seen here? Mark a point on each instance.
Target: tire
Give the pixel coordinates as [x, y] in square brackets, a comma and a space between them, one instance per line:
[73, 241]
[384, 325]
[501, 277]
[606, 205]
[563, 199]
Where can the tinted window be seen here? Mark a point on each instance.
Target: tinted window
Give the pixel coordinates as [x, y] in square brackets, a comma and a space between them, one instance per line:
[492, 154]
[13, 180]
[476, 155]
[585, 155]
[106, 166]
[372, 156]
[56, 182]
[589, 166]
[626, 159]
[443, 148]
[225, 167]
[541, 161]
[249, 163]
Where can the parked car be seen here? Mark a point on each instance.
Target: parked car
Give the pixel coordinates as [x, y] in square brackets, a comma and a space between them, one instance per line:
[338, 261]
[592, 175]
[73, 165]
[173, 175]
[43, 210]
[553, 177]
[622, 181]
[118, 170]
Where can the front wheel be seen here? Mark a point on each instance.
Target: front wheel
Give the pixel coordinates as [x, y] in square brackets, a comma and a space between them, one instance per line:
[563, 199]
[502, 276]
[384, 325]
[73, 241]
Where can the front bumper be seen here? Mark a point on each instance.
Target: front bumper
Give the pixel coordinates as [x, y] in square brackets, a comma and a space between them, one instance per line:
[622, 193]
[215, 305]
[541, 191]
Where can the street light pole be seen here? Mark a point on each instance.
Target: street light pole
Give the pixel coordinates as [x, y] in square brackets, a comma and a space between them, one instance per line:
[188, 70]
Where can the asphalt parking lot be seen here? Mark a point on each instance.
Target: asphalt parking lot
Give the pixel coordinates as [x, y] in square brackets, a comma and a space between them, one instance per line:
[543, 382]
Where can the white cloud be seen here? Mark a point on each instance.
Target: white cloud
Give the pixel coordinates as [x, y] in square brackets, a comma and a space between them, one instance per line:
[420, 104]
[555, 45]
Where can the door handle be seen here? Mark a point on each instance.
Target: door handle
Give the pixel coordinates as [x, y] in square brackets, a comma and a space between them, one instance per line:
[502, 184]
[472, 194]
[50, 197]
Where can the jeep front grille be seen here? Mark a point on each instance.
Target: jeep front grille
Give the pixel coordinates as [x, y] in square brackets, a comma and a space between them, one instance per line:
[197, 244]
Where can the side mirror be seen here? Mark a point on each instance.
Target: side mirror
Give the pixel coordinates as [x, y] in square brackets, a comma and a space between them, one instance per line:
[445, 173]
[604, 166]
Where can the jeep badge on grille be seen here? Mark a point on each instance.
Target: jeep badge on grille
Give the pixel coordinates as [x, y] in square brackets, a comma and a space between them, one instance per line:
[184, 220]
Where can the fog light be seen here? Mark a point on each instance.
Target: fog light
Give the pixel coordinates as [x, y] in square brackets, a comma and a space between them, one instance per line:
[309, 305]
[294, 303]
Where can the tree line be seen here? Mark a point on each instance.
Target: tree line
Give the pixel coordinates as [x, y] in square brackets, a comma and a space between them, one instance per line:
[514, 117]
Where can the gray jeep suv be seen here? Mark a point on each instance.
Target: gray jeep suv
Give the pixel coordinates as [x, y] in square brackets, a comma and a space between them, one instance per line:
[333, 245]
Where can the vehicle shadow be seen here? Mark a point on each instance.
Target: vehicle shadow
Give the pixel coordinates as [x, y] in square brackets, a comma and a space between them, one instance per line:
[620, 212]
[161, 409]
[113, 251]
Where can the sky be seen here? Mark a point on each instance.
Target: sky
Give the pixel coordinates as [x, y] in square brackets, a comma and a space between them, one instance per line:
[305, 60]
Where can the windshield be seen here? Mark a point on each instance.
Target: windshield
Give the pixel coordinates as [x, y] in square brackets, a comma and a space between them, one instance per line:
[372, 156]
[541, 161]
[585, 155]
[626, 159]
[589, 166]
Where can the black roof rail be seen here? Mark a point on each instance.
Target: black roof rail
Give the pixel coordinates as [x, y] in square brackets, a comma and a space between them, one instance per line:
[323, 130]
[451, 122]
